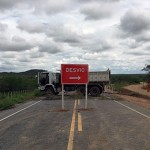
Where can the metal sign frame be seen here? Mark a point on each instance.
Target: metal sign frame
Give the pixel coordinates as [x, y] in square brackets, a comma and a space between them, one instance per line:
[74, 74]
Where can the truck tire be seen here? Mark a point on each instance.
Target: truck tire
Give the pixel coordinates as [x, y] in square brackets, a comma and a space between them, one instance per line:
[95, 91]
[81, 90]
[58, 90]
[49, 91]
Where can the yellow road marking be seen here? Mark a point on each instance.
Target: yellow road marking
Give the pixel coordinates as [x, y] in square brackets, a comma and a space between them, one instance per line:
[78, 101]
[71, 136]
[79, 122]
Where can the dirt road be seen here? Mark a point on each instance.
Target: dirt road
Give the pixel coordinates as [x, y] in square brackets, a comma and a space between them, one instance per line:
[135, 94]
[138, 89]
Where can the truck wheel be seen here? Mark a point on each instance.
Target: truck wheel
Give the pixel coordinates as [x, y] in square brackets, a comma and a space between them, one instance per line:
[95, 91]
[81, 90]
[50, 91]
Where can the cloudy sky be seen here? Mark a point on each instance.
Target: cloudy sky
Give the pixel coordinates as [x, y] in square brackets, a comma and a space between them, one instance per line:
[37, 34]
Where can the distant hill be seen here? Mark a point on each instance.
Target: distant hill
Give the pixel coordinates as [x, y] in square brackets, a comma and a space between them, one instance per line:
[32, 72]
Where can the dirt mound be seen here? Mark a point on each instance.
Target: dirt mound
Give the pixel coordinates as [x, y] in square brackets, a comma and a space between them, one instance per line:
[137, 90]
[135, 94]
[125, 91]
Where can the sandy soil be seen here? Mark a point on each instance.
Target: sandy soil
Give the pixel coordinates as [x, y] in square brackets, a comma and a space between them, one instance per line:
[141, 100]
[138, 89]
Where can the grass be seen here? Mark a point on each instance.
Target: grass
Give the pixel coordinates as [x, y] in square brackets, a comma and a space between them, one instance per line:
[9, 101]
[118, 86]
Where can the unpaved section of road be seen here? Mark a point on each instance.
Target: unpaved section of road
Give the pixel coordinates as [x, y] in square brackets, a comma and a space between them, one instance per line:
[138, 89]
[140, 101]
[135, 94]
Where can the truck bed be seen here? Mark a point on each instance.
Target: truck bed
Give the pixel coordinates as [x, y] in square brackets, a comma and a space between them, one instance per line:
[103, 76]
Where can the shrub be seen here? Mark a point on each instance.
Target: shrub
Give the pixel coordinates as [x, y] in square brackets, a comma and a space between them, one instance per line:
[9, 101]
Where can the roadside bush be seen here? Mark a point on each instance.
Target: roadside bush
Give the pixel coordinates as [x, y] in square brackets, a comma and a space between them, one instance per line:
[118, 86]
[37, 92]
[128, 78]
[11, 83]
[9, 101]
[6, 103]
[120, 80]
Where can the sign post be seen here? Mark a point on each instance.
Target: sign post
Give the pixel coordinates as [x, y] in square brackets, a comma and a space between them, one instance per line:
[86, 96]
[63, 104]
[74, 74]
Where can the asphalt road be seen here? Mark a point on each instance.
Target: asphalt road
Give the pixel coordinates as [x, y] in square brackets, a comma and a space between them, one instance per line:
[105, 125]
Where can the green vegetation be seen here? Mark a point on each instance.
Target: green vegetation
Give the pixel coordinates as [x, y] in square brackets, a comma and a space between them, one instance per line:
[128, 78]
[120, 80]
[147, 69]
[9, 100]
[118, 86]
[12, 82]
[17, 87]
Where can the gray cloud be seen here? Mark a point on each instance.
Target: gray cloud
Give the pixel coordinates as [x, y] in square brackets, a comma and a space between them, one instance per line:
[24, 59]
[4, 68]
[18, 39]
[135, 53]
[134, 45]
[7, 45]
[98, 47]
[135, 22]
[31, 26]
[58, 32]
[3, 26]
[6, 4]
[147, 48]
[143, 38]
[49, 47]
[131, 43]
[95, 10]
[49, 6]
[70, 40]
[9, 55]
[98, 1]
[64, 35]
[97, 44]
[36, 55]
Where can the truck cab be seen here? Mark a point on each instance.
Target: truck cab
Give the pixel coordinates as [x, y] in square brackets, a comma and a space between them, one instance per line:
[48, 82]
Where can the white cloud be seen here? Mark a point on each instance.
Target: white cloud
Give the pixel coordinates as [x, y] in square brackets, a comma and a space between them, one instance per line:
[3, 27]
[111, 34]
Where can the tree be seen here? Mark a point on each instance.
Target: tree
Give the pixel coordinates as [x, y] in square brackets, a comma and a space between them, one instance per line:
[147, 69]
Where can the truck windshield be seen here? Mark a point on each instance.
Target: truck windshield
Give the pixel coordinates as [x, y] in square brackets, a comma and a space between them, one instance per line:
[43, 78]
